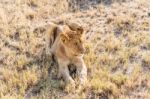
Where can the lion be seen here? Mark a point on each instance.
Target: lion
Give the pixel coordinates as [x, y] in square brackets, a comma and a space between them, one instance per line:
[66, 44]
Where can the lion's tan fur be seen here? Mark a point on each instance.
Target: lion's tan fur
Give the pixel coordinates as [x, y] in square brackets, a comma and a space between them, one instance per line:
[65, 43]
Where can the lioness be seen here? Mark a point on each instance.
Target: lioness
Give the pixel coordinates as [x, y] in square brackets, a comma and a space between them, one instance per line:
[65, 43]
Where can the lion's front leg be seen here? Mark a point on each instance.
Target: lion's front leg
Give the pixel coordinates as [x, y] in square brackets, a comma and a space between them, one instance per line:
[64, 72]
[81, 70]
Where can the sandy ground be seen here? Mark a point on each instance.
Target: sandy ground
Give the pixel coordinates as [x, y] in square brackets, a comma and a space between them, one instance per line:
[117, 37]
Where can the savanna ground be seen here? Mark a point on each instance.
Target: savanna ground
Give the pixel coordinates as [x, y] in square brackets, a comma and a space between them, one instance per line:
[117, 37]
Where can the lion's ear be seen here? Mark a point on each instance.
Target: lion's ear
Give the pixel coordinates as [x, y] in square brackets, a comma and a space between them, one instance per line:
[80, 30]
[76, 27]
[63, 38]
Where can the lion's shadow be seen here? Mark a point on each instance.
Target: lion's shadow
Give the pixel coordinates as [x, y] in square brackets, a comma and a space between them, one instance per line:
[45, 60]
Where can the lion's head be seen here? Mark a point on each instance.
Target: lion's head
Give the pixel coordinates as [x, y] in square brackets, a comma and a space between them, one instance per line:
[72, 40]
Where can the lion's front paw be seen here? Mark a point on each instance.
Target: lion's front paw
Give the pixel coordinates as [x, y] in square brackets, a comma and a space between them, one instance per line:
[83, 81]
[82, 78]
[70, 87]
[81, 84]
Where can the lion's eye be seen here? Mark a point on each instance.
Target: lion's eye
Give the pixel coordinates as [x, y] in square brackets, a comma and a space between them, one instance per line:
[78, 29]
[76, 43]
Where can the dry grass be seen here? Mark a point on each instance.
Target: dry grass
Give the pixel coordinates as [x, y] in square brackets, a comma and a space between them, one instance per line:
[117, 41]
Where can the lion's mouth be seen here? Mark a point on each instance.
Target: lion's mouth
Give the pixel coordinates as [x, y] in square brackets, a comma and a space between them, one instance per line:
[78, 55]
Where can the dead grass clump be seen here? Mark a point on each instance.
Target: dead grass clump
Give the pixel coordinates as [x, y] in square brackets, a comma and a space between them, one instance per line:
[146, 60]
[117, 43]
[17, 82]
